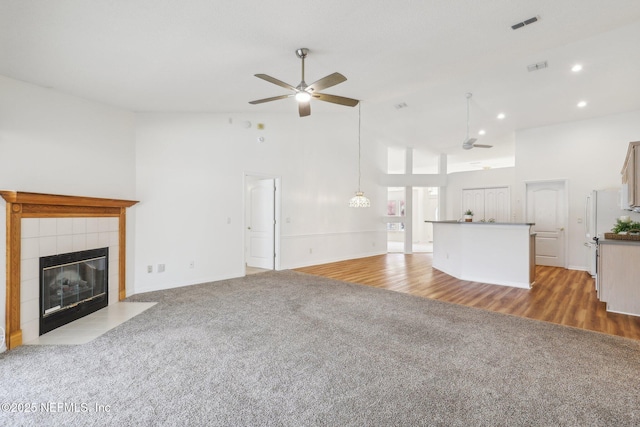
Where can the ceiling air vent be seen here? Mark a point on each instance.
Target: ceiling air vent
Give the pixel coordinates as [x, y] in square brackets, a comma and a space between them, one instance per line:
[538, 66]
[527, 22]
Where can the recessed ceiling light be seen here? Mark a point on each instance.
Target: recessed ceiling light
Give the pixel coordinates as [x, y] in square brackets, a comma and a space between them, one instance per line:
[576, 68]
[482, 132]
[501, 116]
[582, 104]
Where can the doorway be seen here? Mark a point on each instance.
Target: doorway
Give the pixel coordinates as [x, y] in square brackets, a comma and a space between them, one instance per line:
[547, 208]
[261, 226]
[425, 208]
[407, 210]
[396, 232]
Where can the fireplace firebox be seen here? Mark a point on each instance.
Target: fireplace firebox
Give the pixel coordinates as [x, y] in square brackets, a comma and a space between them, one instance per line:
[72, 285]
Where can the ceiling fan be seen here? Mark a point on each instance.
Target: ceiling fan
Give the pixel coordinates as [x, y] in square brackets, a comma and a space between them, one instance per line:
[303, 92]
[470, 143]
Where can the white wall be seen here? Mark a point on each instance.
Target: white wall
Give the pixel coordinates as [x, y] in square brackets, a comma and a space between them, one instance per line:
[59, 144]
[588, 153]
[190, 180]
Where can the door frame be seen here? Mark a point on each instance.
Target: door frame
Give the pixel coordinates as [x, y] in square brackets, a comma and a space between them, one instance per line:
[565, 184]
[251, 176]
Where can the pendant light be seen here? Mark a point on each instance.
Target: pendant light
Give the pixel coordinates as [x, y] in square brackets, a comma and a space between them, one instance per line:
[359, 200]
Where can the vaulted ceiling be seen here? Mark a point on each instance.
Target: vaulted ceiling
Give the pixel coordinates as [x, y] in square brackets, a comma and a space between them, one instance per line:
[201, 55]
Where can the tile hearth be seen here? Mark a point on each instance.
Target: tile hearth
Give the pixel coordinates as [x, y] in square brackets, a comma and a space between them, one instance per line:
[92, 326]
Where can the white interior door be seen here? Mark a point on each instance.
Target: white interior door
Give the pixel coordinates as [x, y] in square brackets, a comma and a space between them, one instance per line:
[473, 199]
[261, 224]
[497, 204]
[546, 208]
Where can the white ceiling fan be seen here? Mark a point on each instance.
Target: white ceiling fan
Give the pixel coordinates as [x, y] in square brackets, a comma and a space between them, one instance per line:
[303, 93]
[470, 143]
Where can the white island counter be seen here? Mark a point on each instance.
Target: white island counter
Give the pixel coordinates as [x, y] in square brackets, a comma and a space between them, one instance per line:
[495, 253]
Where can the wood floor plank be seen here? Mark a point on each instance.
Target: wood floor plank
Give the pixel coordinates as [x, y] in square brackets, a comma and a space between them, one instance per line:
[565, 297]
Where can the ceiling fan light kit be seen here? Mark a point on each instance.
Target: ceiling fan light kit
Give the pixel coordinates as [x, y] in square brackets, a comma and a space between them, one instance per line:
[303, 93]
[303, 96]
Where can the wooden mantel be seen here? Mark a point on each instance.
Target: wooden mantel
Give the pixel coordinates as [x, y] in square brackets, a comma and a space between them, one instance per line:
[35, 205]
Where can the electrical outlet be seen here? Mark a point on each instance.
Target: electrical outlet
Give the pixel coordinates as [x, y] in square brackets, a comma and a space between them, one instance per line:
[192, 264]
[160, 268]
[310, 250]
[149, 268]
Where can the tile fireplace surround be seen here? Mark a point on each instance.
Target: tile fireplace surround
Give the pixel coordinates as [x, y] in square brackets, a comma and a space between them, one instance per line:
[46, 224]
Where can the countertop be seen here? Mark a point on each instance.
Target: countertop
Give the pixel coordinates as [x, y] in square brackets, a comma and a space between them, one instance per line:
[453, 221]
[618, 242]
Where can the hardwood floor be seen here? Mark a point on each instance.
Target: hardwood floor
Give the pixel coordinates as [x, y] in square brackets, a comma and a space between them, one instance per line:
[565, 297]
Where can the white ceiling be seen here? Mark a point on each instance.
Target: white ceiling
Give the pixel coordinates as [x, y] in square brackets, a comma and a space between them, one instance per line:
[201, 55]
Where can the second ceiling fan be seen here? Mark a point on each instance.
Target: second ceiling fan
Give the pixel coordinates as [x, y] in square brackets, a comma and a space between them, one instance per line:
[470, 143]
[304, 92]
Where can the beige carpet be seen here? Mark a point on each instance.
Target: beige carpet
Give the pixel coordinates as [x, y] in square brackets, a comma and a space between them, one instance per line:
[289, 349]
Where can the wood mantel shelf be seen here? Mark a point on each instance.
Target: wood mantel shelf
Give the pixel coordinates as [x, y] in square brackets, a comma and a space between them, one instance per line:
[59, 200]
[37, 205]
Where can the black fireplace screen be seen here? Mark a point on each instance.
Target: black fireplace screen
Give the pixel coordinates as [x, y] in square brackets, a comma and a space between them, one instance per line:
[72, 286]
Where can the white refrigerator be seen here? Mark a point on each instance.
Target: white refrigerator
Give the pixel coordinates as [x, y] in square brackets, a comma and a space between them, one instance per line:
[602, 209]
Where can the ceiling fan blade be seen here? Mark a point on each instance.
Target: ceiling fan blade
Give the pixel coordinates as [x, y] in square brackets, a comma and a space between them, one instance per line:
[468, 143]
[325, 82]
[273, 98]
[349, 102]
[482, 146]
[275, 81]
[304, 108]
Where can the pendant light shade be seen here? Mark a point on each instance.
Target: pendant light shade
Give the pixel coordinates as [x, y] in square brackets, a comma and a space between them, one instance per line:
[359, 200]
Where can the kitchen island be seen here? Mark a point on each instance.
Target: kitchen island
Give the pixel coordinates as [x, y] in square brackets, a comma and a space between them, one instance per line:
[495, 253]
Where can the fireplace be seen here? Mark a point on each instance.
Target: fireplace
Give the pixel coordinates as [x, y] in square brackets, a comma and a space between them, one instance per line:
[72, 285]
[27, 216]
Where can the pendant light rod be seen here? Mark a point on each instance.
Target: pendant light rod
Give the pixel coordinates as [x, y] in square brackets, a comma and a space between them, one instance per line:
[359, 200]
[468, 95]
[359, 149]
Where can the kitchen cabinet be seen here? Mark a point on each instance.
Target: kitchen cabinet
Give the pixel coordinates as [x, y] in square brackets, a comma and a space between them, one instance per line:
[631, 174]
[618, 272]
[487, 203]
